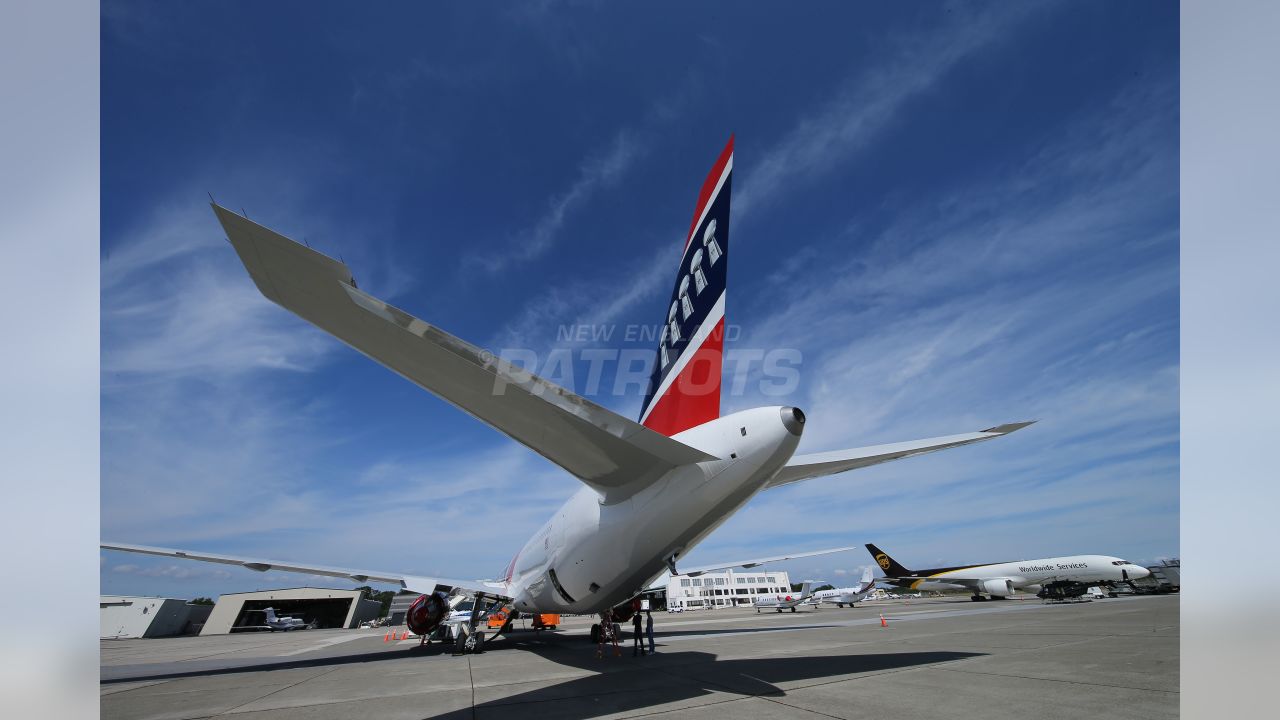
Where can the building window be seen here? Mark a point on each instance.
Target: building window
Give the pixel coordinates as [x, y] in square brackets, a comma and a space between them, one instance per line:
[684, 582]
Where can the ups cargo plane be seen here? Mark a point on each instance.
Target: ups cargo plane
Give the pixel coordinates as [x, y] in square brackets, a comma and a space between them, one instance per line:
[651, 490]
[999, 580]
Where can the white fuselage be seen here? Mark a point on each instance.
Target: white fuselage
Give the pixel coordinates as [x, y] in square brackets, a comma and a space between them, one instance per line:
[601, 555]
[781, 601]
[841, 596]
[1026, 573]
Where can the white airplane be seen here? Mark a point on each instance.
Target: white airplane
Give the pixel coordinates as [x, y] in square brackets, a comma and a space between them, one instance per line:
[785, 601]
[283, 623]
[651, 490]
[846, 596]
[999, 580]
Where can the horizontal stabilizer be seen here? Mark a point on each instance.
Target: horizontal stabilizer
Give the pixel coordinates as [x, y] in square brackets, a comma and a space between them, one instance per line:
[803, 467]
[614, 455]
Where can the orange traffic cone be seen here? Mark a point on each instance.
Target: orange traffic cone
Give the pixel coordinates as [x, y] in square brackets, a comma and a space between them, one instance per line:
[404, 635]
[387, 637]
[883, 622]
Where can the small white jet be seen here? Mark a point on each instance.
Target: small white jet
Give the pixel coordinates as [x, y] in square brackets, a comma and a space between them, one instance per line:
[785, 601]
[999, 580]
[848, 595]
[275, 622]
[651, 490]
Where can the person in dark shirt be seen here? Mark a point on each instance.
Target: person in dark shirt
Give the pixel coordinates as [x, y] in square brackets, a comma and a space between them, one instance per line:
[637, 634]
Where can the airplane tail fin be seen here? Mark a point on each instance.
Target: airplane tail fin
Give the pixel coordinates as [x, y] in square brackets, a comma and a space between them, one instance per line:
[684, 389]
[271, 614]
[891, 567]
[806, 589]
[867, 580]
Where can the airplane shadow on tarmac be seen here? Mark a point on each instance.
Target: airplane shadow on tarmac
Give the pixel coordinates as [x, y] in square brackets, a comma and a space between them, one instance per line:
[628, 684]
[619, 684]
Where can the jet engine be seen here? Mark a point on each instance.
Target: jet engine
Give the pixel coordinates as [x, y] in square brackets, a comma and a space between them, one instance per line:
[1000, 587]
[426, 613]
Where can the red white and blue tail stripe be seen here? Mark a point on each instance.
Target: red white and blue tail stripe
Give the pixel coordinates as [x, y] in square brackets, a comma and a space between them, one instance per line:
[684, 390]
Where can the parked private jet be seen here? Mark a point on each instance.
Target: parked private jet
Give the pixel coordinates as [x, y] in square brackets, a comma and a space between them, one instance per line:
[999, 580]
[845, 596]
[651, 490]
[785, 601]
[275, 622]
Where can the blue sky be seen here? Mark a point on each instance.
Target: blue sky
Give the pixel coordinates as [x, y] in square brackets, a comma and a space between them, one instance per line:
[956, 214]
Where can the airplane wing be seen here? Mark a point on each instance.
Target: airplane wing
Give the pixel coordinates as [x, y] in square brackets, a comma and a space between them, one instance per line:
[408, 582]
[615, 456]
[804, 467]
[760, 561]
[661, 581]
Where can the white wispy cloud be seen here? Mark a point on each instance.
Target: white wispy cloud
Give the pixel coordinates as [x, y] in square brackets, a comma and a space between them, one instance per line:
[599, 170]
[857, 113]
[186, 571]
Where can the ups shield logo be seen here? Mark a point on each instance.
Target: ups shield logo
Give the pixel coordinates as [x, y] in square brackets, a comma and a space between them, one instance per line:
[883, 561]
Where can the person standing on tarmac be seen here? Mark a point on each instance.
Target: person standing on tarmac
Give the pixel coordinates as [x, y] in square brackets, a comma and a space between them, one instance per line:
[638, 648]
[648, 629]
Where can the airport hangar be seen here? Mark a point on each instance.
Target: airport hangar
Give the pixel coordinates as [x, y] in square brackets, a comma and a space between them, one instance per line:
[147, 617]
[135, 616]
[326, 607]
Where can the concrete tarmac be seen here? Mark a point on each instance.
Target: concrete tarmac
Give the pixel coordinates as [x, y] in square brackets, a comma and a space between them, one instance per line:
[936, 657]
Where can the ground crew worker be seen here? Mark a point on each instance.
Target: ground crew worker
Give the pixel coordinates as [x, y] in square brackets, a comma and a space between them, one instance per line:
[638, 648]
[648, 628]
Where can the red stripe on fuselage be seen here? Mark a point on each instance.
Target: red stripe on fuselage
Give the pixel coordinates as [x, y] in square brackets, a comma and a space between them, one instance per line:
[693, 398]
[708, 187]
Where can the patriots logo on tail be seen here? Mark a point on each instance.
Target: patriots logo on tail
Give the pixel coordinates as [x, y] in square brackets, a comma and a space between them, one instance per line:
[684, 390]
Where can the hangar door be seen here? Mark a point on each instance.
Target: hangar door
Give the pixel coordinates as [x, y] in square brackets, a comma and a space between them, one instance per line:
[324, 612]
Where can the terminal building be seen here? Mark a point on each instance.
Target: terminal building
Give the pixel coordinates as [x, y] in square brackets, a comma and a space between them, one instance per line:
[318, 607]
[725, 588]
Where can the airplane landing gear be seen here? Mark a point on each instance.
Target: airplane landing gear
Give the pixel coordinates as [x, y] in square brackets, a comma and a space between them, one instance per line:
[793, 608]
[606, 632]
[468, 642]
[977, 598]
[466, 638]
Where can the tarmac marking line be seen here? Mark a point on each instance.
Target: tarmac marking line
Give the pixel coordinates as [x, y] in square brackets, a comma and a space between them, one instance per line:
[1057, 680]
[326, 643]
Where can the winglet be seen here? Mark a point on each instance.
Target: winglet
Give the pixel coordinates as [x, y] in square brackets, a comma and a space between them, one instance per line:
[1010, 427]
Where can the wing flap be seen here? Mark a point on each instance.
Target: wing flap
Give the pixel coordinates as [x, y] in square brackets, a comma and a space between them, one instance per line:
[804, 467]
[603, 449]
